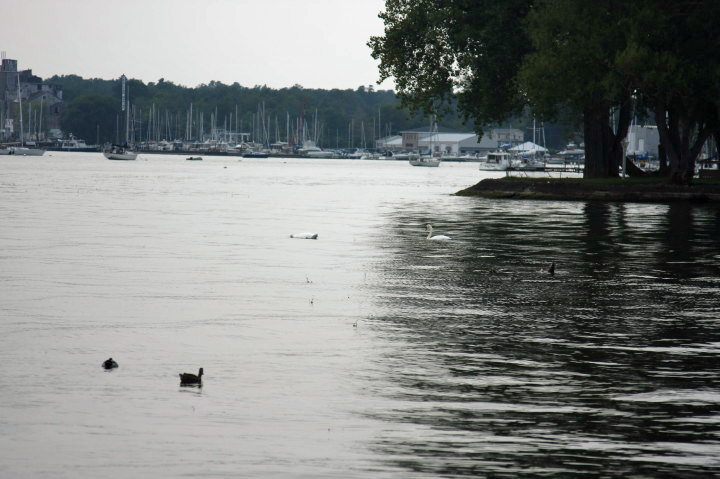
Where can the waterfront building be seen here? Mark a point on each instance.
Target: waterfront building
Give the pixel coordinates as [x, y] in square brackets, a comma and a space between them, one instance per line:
[42, 100]
[507, 136]
[448, 143]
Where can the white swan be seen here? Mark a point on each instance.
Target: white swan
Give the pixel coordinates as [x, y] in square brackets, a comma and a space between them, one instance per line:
[304, 235]
[436, 237]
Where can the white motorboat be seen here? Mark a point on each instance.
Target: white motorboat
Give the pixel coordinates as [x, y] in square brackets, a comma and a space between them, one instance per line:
[529, 164]
[496, 161]
[77, 145]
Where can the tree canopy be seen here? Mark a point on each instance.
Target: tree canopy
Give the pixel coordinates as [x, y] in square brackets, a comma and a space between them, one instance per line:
[438, 51]
[603, 60]
[672, 57]
[88, 115]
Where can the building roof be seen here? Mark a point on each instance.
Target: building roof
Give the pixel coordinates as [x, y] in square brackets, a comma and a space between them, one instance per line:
[447, 137]
[528, 147]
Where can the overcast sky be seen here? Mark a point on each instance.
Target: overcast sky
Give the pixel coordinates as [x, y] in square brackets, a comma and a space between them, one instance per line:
[278, 43]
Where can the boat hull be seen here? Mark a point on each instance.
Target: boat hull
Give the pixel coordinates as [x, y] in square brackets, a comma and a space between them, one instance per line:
[425, 162]
[22, 151]
[127, 156]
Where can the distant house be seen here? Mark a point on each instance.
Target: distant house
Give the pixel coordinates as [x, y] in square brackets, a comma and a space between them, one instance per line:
[512, 136]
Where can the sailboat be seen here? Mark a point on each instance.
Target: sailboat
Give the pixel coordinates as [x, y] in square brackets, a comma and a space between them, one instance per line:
[429, 160]
[22, 150]
[121, 152]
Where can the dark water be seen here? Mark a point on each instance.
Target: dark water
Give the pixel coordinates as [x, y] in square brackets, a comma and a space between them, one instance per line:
[369, 353]
[607, 369]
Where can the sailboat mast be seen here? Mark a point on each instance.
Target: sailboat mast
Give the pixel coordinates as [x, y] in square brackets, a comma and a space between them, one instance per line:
[22, 132]
[127, 117]
[40, 122]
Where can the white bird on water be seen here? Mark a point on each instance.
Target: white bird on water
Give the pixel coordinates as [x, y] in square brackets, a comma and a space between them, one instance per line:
[305, 235]
[436, 237]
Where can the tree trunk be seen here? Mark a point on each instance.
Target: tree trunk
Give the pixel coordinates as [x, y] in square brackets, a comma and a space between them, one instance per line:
[603, 148]
[682, 137]
[595, 120]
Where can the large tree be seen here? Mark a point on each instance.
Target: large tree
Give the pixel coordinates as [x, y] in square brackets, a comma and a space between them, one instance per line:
[673, 57]
[497, 57]
[604, 59]
[572, 64]
[439, 50]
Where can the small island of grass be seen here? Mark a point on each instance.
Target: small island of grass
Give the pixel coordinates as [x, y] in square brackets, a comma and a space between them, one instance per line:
[602, 189]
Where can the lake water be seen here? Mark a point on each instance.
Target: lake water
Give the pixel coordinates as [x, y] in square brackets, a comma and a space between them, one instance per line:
[368, 353]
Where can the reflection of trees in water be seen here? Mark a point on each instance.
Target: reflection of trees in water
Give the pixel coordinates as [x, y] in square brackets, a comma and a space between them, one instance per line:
[495, 351]
[678, 238]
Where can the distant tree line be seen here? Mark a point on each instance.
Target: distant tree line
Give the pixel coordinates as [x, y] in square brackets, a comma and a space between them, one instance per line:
[163, 110]
[335, 118]
[600, 61]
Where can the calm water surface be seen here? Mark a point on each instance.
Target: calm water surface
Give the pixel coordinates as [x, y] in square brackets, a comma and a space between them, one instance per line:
[368, 353]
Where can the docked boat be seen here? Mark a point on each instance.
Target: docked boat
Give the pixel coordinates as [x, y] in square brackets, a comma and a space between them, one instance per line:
[320, 154]
[529, 164]
[425, 161]
[403, 156]
[25, 151]
[311, 150]
[255, 154]
[75, 145]
[358, 154]
[496, 161]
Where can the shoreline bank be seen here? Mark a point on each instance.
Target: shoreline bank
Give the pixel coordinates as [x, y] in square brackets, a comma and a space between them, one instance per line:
[575, 189]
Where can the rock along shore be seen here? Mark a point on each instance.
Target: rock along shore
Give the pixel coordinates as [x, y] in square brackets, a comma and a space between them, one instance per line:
[574, 189]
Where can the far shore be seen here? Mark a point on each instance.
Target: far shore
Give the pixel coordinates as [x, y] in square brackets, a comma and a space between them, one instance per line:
[611, 189]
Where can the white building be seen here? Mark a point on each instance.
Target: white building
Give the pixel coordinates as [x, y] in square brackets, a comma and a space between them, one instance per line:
[449, 143]
[511, 136]
[641, 140]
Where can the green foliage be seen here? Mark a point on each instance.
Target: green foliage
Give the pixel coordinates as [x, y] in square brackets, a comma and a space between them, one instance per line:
[590, 58]
[85, 114]
[673, 61]
[442, 51]
[574, 47]
[368, 110]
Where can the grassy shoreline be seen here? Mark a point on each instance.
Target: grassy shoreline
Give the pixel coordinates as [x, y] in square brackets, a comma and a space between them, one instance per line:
[602, 189]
